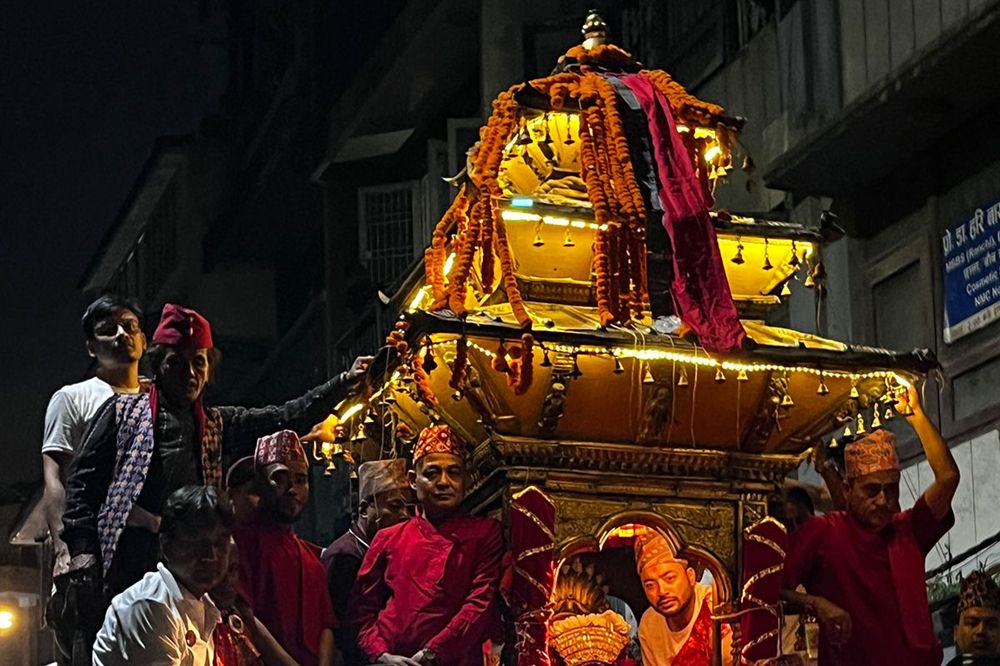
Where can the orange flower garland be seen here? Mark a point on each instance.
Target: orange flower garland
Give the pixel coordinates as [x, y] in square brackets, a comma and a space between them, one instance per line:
[460, 365]
[422, 379]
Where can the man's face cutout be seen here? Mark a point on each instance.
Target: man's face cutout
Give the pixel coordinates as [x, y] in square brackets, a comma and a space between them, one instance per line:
[669, 586]
[978, 632]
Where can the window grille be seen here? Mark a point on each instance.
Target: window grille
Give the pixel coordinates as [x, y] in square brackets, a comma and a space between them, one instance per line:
[389, 230]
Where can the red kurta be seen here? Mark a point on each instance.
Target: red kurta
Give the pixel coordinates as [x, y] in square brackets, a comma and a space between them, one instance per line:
[285, 583]
[431, 586]
[836, 558]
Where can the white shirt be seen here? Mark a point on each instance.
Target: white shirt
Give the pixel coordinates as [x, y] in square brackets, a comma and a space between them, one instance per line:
[157, 622]
[70, 411]
[660, 644]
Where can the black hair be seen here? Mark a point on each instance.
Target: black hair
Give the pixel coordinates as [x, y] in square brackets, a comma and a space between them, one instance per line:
[152, 361]
[106, 306]
[800, 496]
[192, 507]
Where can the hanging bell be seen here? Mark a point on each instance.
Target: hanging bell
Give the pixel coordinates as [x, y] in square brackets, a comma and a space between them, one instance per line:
[546, 363]
[834, 443]
[720, 376]
[429, 363]
[861, 424]
[538, 242]
[787, 401]
[738, 258]
[618, 366]
[354, 475]
[822, 389]
[876, 422]
[786, 290]
[390, 399]
[767, 258]
[794, 261]
[683, 380]
[742, 376]
[456, 396]
[547, 137]
[854, 392]
[648, 377]
[847, 431]
[568, 239]
[889, 414]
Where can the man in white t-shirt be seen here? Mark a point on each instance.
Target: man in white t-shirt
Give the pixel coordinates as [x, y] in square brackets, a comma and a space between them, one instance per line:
[113, 329]
[168, 618]
[676, 630]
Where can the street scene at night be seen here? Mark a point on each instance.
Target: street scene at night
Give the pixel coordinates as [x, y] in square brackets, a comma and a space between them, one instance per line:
[501, 333]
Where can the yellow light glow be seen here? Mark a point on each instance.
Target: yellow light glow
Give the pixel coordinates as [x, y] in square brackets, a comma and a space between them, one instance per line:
[700, 360]
[712, 153]
[418, 298]
[6, 620]
[449, 262]
[354, 409]
[520, 216]
[327, 448]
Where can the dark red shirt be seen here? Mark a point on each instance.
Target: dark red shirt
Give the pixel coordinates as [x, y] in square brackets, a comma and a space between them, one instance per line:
[836, 558]
[431, 586]
[285, 584]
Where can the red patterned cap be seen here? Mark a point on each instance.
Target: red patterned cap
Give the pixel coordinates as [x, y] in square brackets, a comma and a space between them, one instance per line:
[281, 447]
[652, 548]
[875, 452]
[437, 439]
[183, 327]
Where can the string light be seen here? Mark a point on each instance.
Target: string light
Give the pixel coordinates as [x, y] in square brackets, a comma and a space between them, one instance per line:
[522, 216]
[351, 411]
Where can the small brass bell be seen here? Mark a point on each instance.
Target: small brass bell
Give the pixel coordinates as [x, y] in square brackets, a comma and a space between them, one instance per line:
[822, 389]
[767, 263]
[568, 239]
[546, 363]
[742, 376]
[538, 242]
[787, 401]
[648, 377]
[834, 443]
[847, 431]
[794, 261]
[876, 423]
[854, 392]
[738, 259]
[786, 290]
[861, 425]
[618, 367]
[889, 414]
[683, 380]
[720, 376]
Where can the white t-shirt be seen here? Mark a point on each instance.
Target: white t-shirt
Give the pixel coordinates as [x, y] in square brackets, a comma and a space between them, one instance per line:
[157, 622]
[660, 645]
[70, 411]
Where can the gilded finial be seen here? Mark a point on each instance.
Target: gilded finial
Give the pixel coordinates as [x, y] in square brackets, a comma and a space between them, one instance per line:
[595, 30]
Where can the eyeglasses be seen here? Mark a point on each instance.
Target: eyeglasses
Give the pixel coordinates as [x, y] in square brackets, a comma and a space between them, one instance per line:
[108, 328]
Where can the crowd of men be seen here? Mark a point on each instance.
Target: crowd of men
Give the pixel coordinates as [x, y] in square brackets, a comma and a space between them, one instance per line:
[172, 523]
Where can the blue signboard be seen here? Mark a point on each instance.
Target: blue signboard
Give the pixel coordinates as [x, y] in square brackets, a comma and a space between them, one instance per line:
[972, 273]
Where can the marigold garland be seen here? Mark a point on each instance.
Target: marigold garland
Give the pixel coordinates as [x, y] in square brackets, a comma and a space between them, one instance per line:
[460, 365]
[422, 378]
[606, 169]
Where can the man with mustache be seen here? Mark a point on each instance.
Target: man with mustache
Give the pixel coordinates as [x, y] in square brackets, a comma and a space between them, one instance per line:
[977, 634]
[864, 567]
[385, 497]
[676, 630]
[143, 447]
[427, 589]
[281, 574]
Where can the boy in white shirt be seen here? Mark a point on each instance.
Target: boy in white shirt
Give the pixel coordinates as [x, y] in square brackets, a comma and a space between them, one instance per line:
[113, 329]
[168, 618]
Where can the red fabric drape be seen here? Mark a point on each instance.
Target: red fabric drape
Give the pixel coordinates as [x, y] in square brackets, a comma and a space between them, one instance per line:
[764, 548]
[532, 541]
[701, 294]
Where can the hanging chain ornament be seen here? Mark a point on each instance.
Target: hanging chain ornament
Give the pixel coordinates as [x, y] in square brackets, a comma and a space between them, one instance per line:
[546, 363]
[822, 389]
[876, 423]
[794, 261]
[538, 242]
[767, 259]
[738, 258]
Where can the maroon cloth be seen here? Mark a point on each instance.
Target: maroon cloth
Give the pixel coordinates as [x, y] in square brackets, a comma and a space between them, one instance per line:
[183, 328]
[701, 293]
[764, 548]
[281, 447]
[532, 527]
[431, 586]
[285, 584]
[867, 574]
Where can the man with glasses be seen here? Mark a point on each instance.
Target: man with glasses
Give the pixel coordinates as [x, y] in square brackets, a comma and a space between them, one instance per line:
[864, 567]
[385, 498]
[114, 339]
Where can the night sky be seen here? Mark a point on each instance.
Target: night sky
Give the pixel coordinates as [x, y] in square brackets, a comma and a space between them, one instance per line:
[85, 89]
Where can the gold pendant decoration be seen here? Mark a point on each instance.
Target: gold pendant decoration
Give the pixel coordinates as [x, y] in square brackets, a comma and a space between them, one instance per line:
[720, 376]
[822, 389]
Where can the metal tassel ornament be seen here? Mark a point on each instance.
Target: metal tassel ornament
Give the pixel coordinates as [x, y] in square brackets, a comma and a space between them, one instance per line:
[767, 259]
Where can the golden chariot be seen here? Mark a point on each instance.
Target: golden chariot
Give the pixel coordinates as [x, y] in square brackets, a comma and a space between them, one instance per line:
[528, 330]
